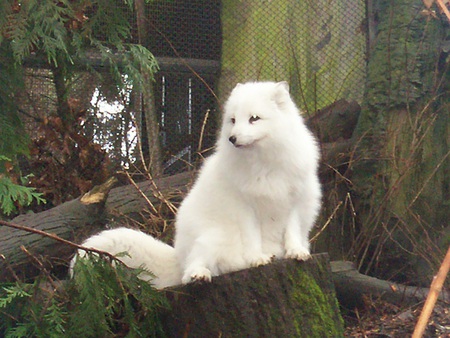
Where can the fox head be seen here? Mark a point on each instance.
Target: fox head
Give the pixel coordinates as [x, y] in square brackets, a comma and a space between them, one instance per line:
[256, 111]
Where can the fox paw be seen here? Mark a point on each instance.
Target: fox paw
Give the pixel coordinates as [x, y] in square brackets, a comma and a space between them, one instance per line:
[197, 275]
[262, 259]
[298, 254]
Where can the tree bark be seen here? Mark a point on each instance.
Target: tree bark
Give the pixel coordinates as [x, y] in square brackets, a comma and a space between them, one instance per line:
[150, 143]
[284, 299]
[128, 200]
[401, 172]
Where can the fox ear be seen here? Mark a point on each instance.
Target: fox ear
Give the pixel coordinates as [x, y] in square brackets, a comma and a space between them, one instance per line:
[284, 85]
[281, 93]
[237, 86]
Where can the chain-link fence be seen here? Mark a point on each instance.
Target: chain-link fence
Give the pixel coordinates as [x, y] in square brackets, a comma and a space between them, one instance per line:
[204, 48]
[318, 46]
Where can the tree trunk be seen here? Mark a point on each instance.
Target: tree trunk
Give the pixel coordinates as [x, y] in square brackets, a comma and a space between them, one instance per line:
[150, 143]
[401, 181]
[284, 299]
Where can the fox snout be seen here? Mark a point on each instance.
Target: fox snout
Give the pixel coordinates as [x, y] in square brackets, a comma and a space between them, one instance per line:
[232, 139]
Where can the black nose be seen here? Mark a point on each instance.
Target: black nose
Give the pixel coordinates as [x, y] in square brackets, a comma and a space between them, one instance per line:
[232, 139]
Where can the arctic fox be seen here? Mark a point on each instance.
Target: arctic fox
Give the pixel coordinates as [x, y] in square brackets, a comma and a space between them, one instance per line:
[257, 197]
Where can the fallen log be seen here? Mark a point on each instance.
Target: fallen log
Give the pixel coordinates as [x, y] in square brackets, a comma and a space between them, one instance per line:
[22, 252]
[286, 298]
[74, 221]
[352, 287]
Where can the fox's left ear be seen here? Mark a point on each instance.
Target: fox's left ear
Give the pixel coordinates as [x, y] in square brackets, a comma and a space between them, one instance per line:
[284, 85]
[281, 93]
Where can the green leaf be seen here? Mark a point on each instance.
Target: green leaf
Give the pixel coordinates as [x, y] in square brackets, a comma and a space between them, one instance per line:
[11, 193]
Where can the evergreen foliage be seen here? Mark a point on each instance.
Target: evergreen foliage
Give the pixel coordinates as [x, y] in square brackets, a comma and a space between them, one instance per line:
[102, 300]
[12, 194]
[65, 33]
[64, 37]
[13, 140]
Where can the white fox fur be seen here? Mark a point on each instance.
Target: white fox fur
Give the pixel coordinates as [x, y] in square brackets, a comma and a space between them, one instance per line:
[142, 251]
[255, 198]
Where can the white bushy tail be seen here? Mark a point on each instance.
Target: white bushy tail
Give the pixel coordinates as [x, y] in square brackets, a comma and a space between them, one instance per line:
[142, 251]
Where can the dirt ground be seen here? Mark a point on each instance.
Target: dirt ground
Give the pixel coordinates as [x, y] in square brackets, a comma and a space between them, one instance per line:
[382, 319]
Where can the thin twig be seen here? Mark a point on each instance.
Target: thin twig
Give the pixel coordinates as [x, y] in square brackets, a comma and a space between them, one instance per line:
[10, 269]
[202, 131]
[56, 238]
[134, 184]
[159, 195]
[435, 289]
[443, 8]
[326, 223]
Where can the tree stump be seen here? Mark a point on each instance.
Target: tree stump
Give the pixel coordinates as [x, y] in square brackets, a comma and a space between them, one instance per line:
[287, 298]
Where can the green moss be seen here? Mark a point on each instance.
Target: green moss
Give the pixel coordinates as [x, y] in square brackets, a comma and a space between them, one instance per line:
[318, 307]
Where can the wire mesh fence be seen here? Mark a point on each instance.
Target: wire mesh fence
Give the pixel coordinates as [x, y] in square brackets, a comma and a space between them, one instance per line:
[317, 46]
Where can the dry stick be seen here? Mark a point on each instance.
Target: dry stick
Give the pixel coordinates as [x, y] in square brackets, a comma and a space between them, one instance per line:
[202, 131]
[435, 289]
[56, 238]
[134, 184]
[41, 267]
[159, 195]
[336, 208]
[443, 8]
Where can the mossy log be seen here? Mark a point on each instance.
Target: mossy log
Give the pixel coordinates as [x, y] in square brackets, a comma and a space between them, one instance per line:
[401, 175]
[287, 298]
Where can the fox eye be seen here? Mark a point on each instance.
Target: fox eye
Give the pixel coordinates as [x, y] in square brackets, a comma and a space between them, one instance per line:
[233, 120]
[254, 118]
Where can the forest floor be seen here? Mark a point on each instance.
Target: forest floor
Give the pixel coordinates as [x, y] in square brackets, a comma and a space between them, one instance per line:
[381, 319]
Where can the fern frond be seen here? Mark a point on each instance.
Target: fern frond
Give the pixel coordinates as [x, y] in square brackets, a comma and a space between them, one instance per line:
[12, 300]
